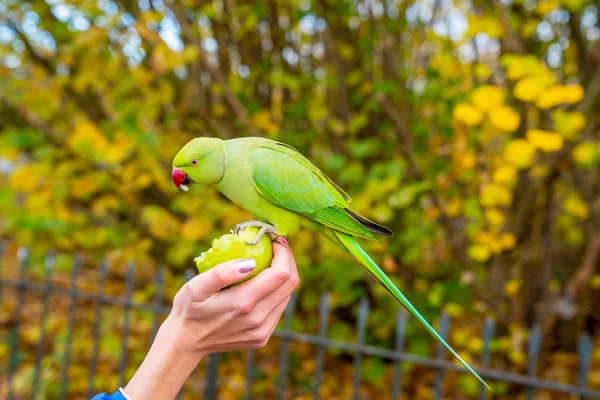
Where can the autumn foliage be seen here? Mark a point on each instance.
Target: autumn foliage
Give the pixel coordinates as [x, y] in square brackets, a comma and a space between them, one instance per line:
[471, 128]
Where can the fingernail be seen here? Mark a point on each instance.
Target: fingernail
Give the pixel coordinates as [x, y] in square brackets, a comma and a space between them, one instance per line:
[246, 265]
[282, 239]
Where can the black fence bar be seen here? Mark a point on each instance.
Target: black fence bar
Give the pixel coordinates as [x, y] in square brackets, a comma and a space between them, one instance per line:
[488, 334]
[41, 346]
[70, 326]
[321, 341]
[158, 298]
[23, 257]
[401, 320]
[129, 283]
[249, 373]
[361, 329]
[189, 274]
[440, 352]
[285, 348]
[533, 349]
[320, 356]
[96, 330]
[584, 348]
[210, 391]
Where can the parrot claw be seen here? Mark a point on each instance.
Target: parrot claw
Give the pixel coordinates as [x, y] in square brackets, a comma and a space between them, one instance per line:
[264, 228]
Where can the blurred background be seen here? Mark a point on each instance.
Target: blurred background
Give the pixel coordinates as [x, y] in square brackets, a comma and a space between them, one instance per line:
[470, 128]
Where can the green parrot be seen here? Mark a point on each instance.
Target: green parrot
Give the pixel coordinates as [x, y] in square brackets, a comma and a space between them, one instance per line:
[285, 192]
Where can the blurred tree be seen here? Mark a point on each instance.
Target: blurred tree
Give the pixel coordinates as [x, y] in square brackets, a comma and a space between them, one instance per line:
[468, 127]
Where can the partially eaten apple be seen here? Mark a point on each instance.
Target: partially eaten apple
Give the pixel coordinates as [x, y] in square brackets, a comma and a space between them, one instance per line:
[232, 247]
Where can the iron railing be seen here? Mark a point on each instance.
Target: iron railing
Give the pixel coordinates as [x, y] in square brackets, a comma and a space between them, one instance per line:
[321, 341]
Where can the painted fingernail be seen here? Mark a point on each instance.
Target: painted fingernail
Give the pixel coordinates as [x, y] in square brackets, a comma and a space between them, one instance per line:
[246, 265]
[282, 239]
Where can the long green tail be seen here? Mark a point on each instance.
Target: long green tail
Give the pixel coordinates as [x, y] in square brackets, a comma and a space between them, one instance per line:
[354, 248]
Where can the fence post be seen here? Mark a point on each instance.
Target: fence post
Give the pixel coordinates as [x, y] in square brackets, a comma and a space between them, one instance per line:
[189, 274]
[584, 348]
[488, 334]
[285, 344]
[439, 354]
[97, 325]
[401, 321]
[321, 348]
[210, 391]
[129, 282]
[70, 324]
[535, 342]
[249, 373]
[39, 353]
[361, 327]
[23, 257]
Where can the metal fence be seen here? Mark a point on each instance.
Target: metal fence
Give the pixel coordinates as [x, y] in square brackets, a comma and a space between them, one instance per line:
[23, 285]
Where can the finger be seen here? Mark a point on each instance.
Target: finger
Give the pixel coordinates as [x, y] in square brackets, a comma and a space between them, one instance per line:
[267, 281]
[218, 277]
[281, 293]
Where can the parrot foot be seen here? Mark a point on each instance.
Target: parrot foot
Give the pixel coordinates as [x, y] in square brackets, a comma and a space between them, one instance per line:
[264, 228]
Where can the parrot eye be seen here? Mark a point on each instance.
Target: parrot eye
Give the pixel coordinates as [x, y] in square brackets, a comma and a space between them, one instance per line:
[194, 161]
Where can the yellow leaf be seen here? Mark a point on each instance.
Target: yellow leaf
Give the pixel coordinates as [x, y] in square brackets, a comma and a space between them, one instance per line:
[521, 66]
[586, 153]
[467, 114]
[545, 140]
[530, 27]
[119, 149]
[568, 124]
[161, 223]
[573, 93]
[575, 206]
[465, 159]
[573, 5]
[219, 109]
[453, 207]
[479, 253]
[26, 178]
[494, 216]
[485, 24]
[496, 195]
[547, 6]
[559, 94]
[482, 71]
[87, 138]
[487, 97]
[505, 175]
[520, 153]
[505, 118]
[512, 287]
[84, 186]
[594, 282]
[529, 88]
[195, 228]
[509, 241]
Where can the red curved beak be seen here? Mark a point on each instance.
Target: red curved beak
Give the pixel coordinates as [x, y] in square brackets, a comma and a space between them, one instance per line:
[180, 179]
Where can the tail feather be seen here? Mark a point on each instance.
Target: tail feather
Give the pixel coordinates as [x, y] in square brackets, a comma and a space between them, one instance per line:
[354, 248]
[373, 227]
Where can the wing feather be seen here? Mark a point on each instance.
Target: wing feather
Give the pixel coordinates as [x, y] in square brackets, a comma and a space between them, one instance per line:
[290, 181]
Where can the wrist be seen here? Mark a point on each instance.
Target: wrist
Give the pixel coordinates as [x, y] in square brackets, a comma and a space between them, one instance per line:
[170, 360]
[181, 337]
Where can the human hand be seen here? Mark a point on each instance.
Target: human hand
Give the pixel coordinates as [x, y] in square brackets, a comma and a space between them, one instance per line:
[206, 319]
[210, 320]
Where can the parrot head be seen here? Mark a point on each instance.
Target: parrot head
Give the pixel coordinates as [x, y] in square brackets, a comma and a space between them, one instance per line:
[201, 160]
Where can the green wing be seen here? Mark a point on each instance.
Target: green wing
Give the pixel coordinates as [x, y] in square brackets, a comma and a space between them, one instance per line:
[286, 178]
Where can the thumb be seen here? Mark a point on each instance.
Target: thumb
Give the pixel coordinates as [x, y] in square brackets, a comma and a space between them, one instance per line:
[220, 276]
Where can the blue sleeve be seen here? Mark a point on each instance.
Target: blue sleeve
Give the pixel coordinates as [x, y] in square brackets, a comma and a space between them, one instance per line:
[104, 396]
